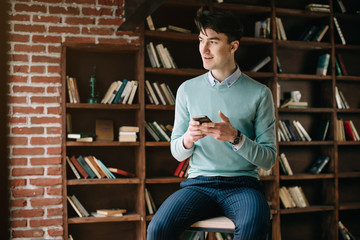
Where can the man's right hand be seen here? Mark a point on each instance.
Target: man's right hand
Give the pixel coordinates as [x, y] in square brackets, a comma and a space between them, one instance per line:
[192, 134]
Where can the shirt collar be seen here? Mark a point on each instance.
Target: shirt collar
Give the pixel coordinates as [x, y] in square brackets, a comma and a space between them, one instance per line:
[229, 81]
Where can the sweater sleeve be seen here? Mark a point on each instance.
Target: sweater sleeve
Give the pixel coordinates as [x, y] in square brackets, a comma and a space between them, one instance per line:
[182, 118]
[262, 151]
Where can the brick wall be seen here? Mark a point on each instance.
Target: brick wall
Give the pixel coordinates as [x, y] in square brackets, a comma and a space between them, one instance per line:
[37, 28]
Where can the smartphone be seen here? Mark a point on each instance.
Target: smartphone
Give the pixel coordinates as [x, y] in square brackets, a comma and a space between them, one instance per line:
[202, 119]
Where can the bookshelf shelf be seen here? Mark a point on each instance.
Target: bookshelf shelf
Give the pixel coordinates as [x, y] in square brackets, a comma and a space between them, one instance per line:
[305, 110]
[311, 209]
[126, 218]
[349, 175]
[164, 180]
[179, 72]
[307, 176]
[160, 107]
[103, 106]
[290, 76]
[350, 206]
[76, 182]
[102, 144]
[311, 143]
[242, 8]
[303, 45]
[157, 144]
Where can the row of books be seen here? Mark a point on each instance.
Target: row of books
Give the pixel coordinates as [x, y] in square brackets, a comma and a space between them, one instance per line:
[292, 131]
[121, 92]
[182, 168]
[91, 167]
[128, 133]
[159, 56]
[170, 28]
[347, 131]
[317, 167]
[159, 93]
[341, 102]
[72, 88]
[158, 131]
[82, 212]
[314, 33]
[150, 204]
[292, 197]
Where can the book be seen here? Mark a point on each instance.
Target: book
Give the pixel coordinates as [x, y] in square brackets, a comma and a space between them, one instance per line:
[111, 211]
[152, 93]
[286, 198]
[121, 172]
[281, 31]
[179, 167]
[323, 64]
[178, 29]
[150, 23]
[260, 64]
[349, 133]
[163, 58]
[80, 135]
[285, 163]
[340, 6]
[120, 91]
[319, 164]
[76, 173]
[339, 31]
[151, 131]
[72, 204]
[79, 206]
[356, 134]
[133, 91]
[109, 174]
[154, 54]
[159, 92]
[316, 7]
[79, 167]
[185, 168]
[96, 166]
[161, 131]
[85, 139]
[109, 92]
[304, 132]
[323, 130]
[104, 130]
[148, 202]
[87, 168]
[127, 137]
[320, 33]
[290, 103]
[167, 94]
[129, 129]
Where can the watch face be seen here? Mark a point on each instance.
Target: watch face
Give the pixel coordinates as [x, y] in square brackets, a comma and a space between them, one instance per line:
[236, 140]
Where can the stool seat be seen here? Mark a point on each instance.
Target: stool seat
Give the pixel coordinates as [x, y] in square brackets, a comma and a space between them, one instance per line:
[215, 224]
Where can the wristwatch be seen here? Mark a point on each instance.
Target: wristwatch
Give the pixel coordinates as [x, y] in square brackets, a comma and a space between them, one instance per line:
[237, 139]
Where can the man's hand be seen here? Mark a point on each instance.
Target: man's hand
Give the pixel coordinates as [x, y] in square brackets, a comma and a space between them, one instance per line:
[193, 134]
[221, 131]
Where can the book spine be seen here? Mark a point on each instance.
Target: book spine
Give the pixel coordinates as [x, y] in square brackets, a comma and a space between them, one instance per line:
[77, 175]
[261, 64]
[86, 167]
[79, 167]
[323, 64]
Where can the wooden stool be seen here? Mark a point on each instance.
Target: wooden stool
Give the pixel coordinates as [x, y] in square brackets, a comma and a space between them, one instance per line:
[212, 225]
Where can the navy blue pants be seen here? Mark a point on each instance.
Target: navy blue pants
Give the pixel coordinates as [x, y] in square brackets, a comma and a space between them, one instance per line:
[239, 198]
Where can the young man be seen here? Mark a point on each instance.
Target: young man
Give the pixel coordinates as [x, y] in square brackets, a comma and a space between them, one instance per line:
[226, 153]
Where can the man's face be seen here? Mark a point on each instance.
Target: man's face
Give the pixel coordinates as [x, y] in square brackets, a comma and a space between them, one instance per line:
[216, 52]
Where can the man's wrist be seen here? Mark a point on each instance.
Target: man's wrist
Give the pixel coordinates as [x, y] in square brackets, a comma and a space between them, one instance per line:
[237, 138]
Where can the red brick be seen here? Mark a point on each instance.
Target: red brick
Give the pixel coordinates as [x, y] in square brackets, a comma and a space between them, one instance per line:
[92, 2]
[64, 29]
[28, 89]
[29, 28]
[20, 69]
[37, 99]
[110, 21]
[53, 130]
[97, 12]
[79, 40]
[19, 57]
[28, 151]
[17, 182]
[64, 10]
[54, 191]
[17, 140]
[27, 130]
[27, 213]
[54, 171]
[42, 120]
[29, 8]
[46, 19]
[49, 1]
[45, 161]
[18, 223]
[23, 192]
[41, 79]
[17, 120]
[45, 59]
[18, 203]
[27, 171]
[40, 202]
[111, 2]
[18, 79]
[37, 69]
[53, 150]
[98, 31]
[19, 17]
[16, 99]
[54, 110]
[27, 233]
[45, 140]
[45, 181]
[18, 161]
[13, 37]
[29, 48]
[79, 20]
[28, 110]
[46, 222]
[46, 39]
[53, 69]
[54, 212]
[55, 232]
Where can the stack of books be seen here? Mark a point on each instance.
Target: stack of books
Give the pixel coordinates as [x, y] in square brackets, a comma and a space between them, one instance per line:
[316, 7]
[158, 131]
[341, 102]
[280, 30]
[292, 197]
[182, 168]
[159, 93]
[128, 133]
[114, 212]
[160, 56]
[262, 28]
[292, 131]
[81, 137]
[91, 167]
[290, 103]
[121, 92]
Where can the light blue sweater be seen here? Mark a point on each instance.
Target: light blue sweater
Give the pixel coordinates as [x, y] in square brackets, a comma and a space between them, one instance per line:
[249, 106]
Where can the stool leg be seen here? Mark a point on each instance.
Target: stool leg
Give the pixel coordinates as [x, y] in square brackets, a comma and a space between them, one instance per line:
[211, 236]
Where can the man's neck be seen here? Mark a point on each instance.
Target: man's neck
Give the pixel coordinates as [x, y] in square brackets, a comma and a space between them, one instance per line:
[222, 74]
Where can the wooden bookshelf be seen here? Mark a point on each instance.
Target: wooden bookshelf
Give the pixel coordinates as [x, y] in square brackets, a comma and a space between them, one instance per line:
[332, 194]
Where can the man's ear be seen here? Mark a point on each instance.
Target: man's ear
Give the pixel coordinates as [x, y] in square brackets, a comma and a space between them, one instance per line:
[234, 45]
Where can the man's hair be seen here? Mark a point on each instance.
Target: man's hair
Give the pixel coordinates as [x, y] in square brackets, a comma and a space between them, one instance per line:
[221, 22]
